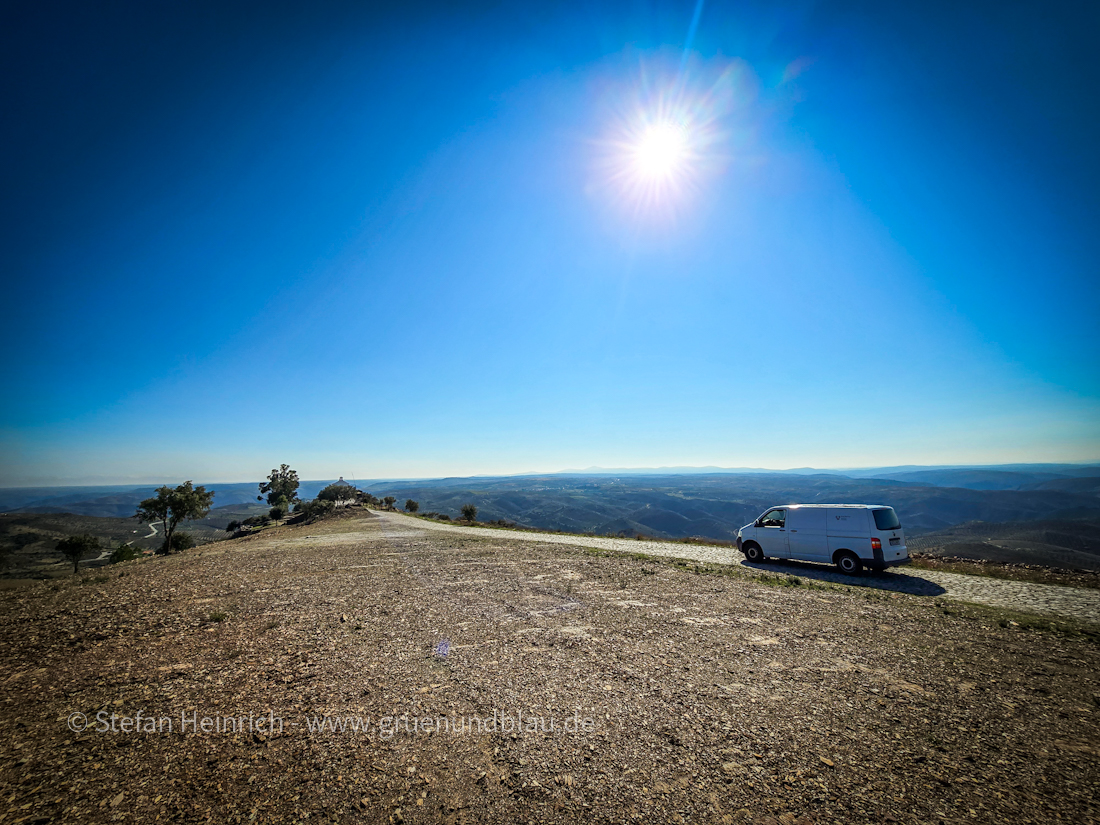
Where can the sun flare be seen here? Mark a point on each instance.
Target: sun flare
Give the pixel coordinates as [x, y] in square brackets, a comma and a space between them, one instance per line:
[667, 138]
[662, 151]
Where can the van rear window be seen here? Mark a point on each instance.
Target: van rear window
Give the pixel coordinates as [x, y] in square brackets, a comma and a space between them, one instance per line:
[886, 519]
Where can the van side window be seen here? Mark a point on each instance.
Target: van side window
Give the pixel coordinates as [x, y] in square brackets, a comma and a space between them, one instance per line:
[773, 518]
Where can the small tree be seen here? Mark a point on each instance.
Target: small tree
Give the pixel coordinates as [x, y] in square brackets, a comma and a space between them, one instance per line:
[469, 512]
[184, 503]
[74, 548]
[411, 506]
[282, 483]
[389, 501]
[232, 526]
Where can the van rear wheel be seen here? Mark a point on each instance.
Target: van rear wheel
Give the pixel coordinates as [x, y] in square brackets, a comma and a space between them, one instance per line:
[848, 563]
[753, 553]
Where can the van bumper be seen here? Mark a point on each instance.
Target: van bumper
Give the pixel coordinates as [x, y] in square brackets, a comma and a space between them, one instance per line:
[738, 542]
[878, 563]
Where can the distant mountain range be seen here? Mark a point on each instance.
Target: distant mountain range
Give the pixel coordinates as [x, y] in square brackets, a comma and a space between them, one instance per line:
[714, 489]
[972, 476]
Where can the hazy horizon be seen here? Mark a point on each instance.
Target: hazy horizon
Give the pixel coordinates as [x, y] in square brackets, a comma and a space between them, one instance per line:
[593, 470]
[447, 240]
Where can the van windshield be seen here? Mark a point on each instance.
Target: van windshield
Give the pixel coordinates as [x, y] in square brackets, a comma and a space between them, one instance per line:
[887, 519]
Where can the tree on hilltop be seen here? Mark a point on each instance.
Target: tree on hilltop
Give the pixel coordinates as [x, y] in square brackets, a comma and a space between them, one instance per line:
[411, 506]
[337, 492]
[281, 487]
[184, 503]
[469, 512]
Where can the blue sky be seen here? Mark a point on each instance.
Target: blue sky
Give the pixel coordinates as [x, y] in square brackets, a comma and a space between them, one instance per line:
[418, 243]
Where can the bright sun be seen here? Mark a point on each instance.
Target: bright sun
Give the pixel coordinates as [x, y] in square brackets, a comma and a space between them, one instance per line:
[661, 151]
[666, 138]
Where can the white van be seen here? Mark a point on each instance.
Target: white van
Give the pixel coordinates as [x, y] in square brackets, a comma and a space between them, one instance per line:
[847, 535]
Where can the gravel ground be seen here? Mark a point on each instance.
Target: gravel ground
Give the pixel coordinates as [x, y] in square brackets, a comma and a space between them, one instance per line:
[679, 691]
[1029, 597]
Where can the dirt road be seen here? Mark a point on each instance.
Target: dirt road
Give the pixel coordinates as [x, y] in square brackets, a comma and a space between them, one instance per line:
[1075, 602]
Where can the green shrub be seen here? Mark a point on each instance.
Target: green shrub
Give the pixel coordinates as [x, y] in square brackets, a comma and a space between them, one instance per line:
[126, 552]
[469, 512]
[182, 541]
[309, 510]
[411, 506]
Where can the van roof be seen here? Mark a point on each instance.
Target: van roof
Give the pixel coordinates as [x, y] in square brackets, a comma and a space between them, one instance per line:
[853, 506]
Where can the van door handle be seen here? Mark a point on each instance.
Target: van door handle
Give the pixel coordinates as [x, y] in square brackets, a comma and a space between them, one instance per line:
[794, 531]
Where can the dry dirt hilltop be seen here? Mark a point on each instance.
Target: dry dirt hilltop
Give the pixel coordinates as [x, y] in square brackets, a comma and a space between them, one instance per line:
[368, 669]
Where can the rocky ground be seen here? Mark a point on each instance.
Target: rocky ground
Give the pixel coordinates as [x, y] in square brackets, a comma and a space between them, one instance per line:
[681, 691]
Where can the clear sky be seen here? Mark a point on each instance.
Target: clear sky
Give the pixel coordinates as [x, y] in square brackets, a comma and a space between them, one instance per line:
[485, 238]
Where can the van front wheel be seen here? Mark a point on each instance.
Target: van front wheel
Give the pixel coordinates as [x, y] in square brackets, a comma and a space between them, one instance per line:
[753, 553]
[848, 563]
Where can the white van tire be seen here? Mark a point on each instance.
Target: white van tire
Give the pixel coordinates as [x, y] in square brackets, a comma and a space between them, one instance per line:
[753, 553]
[848, 563]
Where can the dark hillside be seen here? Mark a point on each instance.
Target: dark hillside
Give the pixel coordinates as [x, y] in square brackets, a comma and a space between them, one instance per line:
[1072, 545]
[28, 541]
